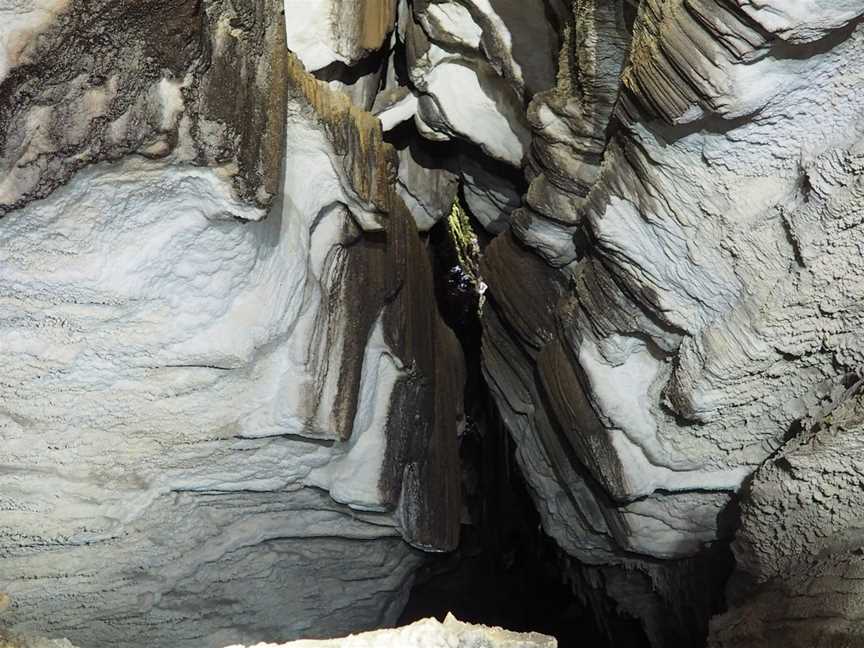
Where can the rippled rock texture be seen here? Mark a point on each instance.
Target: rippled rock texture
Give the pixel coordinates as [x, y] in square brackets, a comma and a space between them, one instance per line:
[228, 408]
[682, 285]
[223, 373]
[679, 287]
[799, 548]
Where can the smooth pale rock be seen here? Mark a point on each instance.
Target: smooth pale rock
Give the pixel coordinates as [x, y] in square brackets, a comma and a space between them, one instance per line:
[322, 32]
[451, 23]
[429, 633]
[395, 107]
[805, 21]
[461, 106]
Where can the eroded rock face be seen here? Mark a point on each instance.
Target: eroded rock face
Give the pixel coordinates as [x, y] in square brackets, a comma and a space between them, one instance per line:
[185, 82]
[678, 288]
[224, 377]
[209, 264]
[705, 292]
[798, 550]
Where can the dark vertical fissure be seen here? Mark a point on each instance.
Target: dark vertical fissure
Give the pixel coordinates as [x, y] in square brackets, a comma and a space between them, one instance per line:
[506, 570]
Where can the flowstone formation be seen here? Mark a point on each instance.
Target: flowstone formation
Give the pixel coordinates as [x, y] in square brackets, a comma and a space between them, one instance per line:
[224, 376]
[228, 408]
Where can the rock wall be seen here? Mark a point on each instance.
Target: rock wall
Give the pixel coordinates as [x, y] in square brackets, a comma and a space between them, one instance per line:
[218, 324]
[798, 550]
[228, 400]
[690, 293]
[678, 287]
[89, 82]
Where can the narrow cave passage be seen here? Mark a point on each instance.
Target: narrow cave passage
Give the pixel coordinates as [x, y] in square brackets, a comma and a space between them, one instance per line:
[232, 412]
[507, 571]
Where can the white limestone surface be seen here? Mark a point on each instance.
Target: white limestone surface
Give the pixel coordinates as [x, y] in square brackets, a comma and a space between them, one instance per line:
[322, 32]
[166, 413]
[429, 633]
[462, 100]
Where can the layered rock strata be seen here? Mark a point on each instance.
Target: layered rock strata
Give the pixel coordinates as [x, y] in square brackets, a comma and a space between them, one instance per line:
[223, 375]
[679, 289]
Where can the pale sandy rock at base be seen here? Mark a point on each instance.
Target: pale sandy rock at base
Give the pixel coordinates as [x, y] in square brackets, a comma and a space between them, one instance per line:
[429, 633]
[23, 641]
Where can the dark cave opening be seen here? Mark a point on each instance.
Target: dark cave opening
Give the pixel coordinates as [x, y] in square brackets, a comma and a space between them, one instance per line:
[506, 571]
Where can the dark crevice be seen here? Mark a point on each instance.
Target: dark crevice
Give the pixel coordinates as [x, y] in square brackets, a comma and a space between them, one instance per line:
[428, 154]
[630, 10]
[536, 41]
[351, 74]
[506, 570]
[449, 155]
